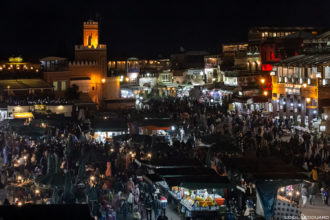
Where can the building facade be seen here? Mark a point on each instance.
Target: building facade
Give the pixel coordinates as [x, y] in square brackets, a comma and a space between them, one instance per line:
[88, 71]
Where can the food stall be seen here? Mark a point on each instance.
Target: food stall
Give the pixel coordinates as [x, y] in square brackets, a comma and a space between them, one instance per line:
[200, 195]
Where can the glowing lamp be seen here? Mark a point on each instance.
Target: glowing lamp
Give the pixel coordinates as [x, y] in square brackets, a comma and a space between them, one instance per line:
[37, 192]
[103, 80]
[304, 85]
[19, 203]
[92, 178]
[126, 79]
[308, 100]
[149, 155]
[262, 80]
[265, 93]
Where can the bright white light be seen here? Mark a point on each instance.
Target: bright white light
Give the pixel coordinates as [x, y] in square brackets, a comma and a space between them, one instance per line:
[201, 73]
[212, 100]
[299, 105]
[322, 128]
[314, 111]
[283, 103]
[172, 128]
[291, 104]
[133, 75]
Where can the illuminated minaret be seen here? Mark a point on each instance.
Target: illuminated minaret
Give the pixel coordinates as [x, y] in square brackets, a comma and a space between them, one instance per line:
[91, 34]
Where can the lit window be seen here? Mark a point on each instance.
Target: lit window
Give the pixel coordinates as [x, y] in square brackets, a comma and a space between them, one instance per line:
[55, 85]
[63, 85]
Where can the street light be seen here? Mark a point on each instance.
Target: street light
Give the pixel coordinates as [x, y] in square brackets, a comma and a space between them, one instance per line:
[265, 93]
[262, 81]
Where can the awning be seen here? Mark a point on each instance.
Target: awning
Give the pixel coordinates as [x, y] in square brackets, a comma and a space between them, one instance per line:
[154, 128]
[24, 84]
[152, 178]
[196, 182]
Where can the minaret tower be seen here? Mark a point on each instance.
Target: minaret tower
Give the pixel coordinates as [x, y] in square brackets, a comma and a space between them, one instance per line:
[91, 34]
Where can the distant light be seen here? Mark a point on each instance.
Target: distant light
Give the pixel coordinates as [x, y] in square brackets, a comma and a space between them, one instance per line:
[304, 85]
[265, 93]
[103, 80]
[314, 111]
[308, 100]
[262, 80]
[172, 128]
[201, 73]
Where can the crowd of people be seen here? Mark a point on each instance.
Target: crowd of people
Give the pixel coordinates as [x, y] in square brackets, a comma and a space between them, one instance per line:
[105, 176]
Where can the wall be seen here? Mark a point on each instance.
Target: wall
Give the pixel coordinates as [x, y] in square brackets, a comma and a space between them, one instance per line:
[61, 109]
[111, 88]
[148, 80]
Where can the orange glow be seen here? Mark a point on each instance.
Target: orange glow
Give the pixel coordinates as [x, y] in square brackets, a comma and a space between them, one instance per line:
[126, 79]
[91, 34]
[103, 80]
[304, 85]
[23, 115]
[265, 93]
[262, 80]
[308, 100]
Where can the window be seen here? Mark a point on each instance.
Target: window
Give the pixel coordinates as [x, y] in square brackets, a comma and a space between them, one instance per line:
[63, 85]
[165, 78]
[55, 85]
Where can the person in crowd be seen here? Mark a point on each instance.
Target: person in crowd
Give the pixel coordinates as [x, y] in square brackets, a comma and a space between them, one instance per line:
[304, 195]
[312, 193]
[325, 196]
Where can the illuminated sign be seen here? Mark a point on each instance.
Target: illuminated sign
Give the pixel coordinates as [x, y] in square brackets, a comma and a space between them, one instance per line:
[23, 115]
[39, 107]
[15, 59]
[267, 67]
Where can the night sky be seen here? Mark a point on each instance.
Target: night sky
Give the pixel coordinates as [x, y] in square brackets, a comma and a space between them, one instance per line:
[145, 29]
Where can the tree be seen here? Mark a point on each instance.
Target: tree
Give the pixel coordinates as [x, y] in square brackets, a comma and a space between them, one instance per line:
[72, 92]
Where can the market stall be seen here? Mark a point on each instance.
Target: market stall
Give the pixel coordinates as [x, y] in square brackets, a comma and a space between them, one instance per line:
[199, 197]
